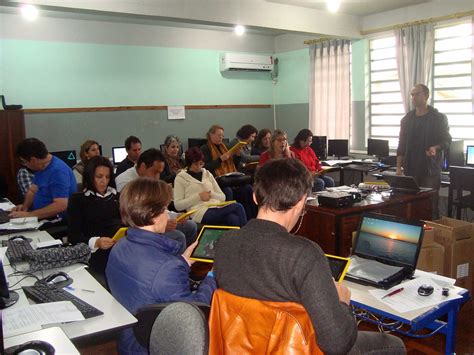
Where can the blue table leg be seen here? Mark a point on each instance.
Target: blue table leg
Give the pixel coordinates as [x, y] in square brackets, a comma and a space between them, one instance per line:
[451, 331]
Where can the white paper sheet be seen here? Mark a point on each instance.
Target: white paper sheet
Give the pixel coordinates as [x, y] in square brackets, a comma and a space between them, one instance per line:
[176, 113]
[19, 320]
[22, 223]
[409, 299]
[6, 206]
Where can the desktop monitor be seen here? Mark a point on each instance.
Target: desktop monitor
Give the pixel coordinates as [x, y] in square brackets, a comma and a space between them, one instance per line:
[118, 154]
[470, 155]
[7, 298]
[338, 147]
[377, 147]
[319, 146]
[196, 142]
[67, 156]
[454, 155]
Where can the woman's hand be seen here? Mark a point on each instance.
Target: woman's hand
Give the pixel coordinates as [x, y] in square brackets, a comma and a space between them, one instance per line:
[187, 253]
[205, 195]
[104, 243]
[225, 156]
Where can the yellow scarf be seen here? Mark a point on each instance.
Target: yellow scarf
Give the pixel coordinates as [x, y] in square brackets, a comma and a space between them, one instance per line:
[226, 166]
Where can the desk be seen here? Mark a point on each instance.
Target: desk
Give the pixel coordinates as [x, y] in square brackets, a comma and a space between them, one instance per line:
[55, 336]
[424, 318]
[332, 228]
[115, 315]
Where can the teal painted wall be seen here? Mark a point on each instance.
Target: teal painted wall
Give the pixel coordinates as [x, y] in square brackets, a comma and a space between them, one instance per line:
[293, 72]
[40, 74]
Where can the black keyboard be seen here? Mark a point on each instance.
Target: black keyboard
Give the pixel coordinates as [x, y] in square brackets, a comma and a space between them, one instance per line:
[46, 293]
[17, 249]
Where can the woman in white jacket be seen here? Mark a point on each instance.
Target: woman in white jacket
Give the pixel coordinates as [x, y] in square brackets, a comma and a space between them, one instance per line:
[196, 189]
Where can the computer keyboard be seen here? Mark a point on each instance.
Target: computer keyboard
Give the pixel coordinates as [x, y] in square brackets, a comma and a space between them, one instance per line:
[16, 250]
[46, 293]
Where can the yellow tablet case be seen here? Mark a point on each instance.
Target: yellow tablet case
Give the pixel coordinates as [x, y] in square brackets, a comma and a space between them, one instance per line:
[207, 246]
[120, 233]
[184, 215]
[346, 267]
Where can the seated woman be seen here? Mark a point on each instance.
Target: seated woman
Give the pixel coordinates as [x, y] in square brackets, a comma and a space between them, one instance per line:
[195, 188]
[302, 150]
[147, 267]
[173, 161]
[246, 133]
[218, 160]
[93, 215]
[262, 142]
[278, 148]
[89, 149]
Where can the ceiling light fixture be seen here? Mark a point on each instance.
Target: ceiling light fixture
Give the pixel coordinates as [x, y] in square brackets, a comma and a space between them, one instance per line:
[29, 12]
[239, 30]
[333, 5]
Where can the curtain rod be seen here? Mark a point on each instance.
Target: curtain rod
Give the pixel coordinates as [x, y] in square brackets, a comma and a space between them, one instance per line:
[316, 41]
[419, 22]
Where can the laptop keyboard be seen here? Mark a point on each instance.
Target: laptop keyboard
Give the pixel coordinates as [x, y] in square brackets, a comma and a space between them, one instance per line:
[46, 293]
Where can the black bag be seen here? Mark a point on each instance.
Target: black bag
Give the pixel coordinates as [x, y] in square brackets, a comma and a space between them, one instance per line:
[42, 259]
[234, 180]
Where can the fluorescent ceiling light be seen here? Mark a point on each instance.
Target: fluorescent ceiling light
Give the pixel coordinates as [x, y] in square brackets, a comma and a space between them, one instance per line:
[239, 30]
[333, 5]
[29, 12]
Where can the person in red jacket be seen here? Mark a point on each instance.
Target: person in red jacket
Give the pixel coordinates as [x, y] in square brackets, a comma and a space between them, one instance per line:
[302, 151]
[278, 148]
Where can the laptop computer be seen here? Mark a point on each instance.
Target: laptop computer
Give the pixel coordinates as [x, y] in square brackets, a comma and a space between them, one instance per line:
[386, 250]
[403, 184]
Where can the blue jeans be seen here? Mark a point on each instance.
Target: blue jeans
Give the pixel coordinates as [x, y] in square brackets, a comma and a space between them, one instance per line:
[230, 215]
[321, 182]
[244, 195]
[185, 233]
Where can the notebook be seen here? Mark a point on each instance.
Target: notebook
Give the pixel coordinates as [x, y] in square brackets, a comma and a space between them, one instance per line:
[386, 250]
[206, 249]
[404, 184]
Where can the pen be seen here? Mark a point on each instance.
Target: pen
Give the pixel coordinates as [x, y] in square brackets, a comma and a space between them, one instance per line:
[398, 290]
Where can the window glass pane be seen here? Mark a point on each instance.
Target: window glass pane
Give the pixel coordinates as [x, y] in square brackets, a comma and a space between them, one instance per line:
[388, 109]
[464, 94]
[453, 43]
[385, 86]
[458, 81]
[383, 64]
[461, 120]
[383, 53]
[391, 97]
[386, 120]
[384, 75]
[453, 107]
[461, 55]
[385, 131]
[382, 43]
[452, 69]
[462, 132]
[463, 29]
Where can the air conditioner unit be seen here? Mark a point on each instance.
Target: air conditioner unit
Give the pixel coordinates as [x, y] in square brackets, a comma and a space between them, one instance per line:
[246, 62]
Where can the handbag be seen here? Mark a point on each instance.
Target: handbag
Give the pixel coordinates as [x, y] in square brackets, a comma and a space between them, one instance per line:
[233, 180]
[42, 259]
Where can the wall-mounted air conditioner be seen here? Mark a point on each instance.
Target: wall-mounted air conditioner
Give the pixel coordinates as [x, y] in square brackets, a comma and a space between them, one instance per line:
[246, 62]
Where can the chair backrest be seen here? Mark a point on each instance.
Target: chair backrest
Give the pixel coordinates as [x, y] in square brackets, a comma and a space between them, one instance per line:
[239, 325]
[180, 328]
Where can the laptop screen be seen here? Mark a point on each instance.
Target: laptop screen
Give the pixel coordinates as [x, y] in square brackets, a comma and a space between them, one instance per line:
[470, 155]
[389, 240]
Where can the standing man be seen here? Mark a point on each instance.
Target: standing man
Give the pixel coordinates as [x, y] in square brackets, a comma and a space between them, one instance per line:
[133, 146]
[424, 135]
[53, 182]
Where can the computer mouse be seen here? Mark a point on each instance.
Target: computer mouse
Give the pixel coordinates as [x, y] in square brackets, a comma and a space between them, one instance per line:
[20, 237]
[35, 347]
[425, 290]
[59, 279]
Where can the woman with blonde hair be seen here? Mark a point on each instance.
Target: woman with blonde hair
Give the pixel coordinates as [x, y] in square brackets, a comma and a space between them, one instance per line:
[279, 148]
[89, 149]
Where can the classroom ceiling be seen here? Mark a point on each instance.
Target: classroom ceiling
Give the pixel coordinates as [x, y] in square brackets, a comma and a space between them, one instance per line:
[354, 7]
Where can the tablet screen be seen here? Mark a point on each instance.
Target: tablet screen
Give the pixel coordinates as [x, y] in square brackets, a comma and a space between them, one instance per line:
[338, 266]
[207, 240]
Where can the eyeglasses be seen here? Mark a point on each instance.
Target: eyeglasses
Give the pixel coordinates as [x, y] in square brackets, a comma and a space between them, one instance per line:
[282, 139]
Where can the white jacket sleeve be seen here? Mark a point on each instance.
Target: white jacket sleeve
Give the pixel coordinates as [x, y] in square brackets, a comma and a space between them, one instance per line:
[181, 201]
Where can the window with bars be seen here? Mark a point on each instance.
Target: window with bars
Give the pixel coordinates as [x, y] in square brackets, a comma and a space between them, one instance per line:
[452, 84]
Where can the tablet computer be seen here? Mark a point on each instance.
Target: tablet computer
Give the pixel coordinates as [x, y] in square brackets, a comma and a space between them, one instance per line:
[338, 266]
[120, 234]
[207, 239]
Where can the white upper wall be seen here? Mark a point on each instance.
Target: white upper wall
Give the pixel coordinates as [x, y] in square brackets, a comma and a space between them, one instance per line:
[435, 8]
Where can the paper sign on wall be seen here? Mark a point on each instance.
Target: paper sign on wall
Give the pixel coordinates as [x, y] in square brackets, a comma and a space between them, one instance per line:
[176, 113]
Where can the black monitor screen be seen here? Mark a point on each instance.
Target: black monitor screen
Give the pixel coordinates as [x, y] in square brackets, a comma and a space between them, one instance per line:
[338, 147]
[3, 283]
[377, 147]
[67, 156]
[470, 155]
[319, 146]
[455, 154]
[196, 142]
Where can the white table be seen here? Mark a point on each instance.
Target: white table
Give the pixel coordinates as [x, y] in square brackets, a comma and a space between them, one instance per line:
[55, 336]
[115, 315]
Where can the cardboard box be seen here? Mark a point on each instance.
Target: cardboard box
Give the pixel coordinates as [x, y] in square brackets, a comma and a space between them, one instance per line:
[459, 262]
[428, 237]
[431, 259]
[449, 230]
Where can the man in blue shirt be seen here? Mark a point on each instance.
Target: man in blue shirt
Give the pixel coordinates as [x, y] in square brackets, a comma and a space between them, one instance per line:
[52, 185]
